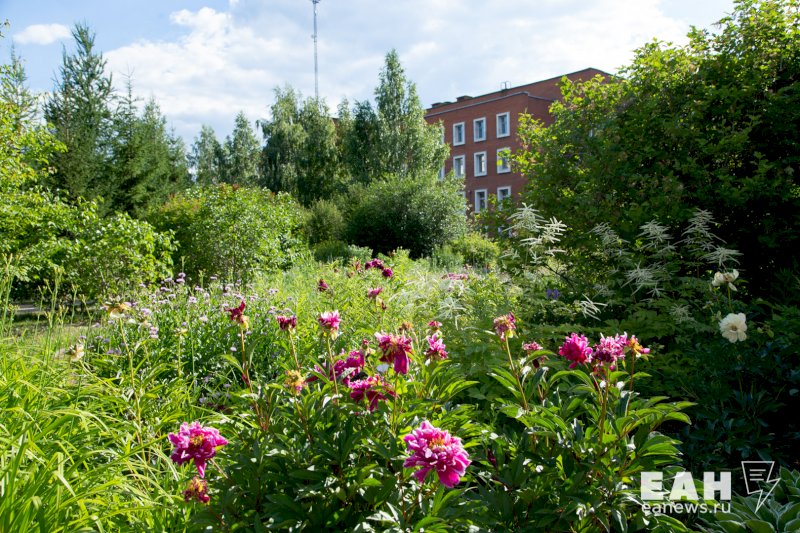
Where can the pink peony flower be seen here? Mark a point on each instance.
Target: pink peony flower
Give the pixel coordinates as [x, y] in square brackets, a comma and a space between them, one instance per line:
[237, 314]
[532, 346]
[329, 322]
[373, 293]
[436, 347]
[434, 326]
[576, 349]
[396, 350]
[195, 442]
[609, 349]
[432, 449]
[197, 489]
[387, 272]
[352, 365]
[287, 323]
[375, 263]
[505, 325]
[322, 286]
[373, 388]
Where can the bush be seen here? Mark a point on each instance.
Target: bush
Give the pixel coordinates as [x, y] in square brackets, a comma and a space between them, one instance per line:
[324, 222]
[231, 231]
[414, 213]
[327, 251]
[476, 249]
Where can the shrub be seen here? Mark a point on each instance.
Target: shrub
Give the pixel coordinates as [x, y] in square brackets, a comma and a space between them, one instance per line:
[476, 249]
[324, 222]
[232, 231]
[327, 251]
[414, 213]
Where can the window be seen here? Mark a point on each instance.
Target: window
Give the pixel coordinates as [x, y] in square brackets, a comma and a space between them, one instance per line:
[503, 164]
[480, 200]
[458, 134]
[503, 193]
[441, 173]
[503, 125]
[458, 166]
[479, 129]
[480, 163]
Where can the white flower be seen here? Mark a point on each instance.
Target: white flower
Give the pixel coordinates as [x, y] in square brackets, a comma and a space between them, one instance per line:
[733, 327]
[725, 278]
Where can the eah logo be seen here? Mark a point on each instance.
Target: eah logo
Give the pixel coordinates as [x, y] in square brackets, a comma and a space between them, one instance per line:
[755, 474]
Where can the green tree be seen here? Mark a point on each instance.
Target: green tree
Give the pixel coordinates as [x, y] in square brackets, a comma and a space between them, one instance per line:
[15, 91]
[79, 111]
[283, 140]
[207, 157]
[242, 152]
[710, 125]
[360, 135]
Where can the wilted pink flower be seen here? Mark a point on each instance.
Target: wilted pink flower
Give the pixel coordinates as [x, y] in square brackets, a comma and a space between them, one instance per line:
[436, 347]
[352, 365]
[576, 349]
[195, 442]
[373, 293]
[237, 312]
[373, 388]
[636, 348]
[329, 322]
[532, 346]
[287, 323]
[396, 350]
[432, 449]
[434, 326]
[197, 489]
[609, 349]
[505, 325]
[322, 286]
[387, 272]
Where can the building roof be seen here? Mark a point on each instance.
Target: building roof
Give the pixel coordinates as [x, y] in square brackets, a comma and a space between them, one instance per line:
[548, 90]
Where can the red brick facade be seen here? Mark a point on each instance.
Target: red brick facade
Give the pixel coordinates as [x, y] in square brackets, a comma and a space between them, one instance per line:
[495, 116]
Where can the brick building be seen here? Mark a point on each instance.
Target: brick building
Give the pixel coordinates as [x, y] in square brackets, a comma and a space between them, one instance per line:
[479, 129]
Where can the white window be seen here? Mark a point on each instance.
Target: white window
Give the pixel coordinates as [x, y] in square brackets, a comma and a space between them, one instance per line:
[479, 129]
[503, 163]
[480, 200]
[441, 173]
[503, 125]
[480, 163]
[458, 166]
[503, 193]
[458, 134]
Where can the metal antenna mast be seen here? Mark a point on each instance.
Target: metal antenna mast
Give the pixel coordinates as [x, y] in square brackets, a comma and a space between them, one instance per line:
[316, 68]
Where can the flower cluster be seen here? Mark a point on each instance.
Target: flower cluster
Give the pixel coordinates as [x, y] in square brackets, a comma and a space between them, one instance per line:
[287, 323]
[395, 349]
[606, 352]
[436, 348]
[237, 315]
[378, 264]
[195, 442]
[434, 449]
[505, 325]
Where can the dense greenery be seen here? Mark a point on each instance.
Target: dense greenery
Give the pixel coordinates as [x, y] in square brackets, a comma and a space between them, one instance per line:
[710, 125]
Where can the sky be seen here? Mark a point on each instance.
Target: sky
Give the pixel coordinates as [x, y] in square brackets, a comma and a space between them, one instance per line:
[205, 60]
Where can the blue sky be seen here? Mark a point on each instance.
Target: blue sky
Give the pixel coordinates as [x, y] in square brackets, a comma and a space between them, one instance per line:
[206, 60]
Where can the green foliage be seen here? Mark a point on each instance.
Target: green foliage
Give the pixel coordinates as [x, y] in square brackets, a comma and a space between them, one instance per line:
[241, 154]
[231, 231]
[207, 157]
[704, 126]
[327, 251]
[476, 249]
[324, 222]
[414, 213]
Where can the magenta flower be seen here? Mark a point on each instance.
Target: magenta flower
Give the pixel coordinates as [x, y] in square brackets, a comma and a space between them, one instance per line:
[576, 349]
[432, 449]
[530, 347]
[322, 286]
[636, 348]
[197, 489]
[387, 272]
[505, 325]
[287, 323]
[373, 293]
[375, 263]
[195, 442]
[609, 349]
[436, 347]
[373, 388]
[329, 322]
[237, 313]
[352, 365]
[395, 350]
[434, 326]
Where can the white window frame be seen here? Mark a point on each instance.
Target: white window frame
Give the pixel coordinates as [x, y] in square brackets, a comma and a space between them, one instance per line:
[507, 116]
[507, 189]
[441, 173]
[477, 204]
[476, 168]
[475, 123]
[463, 134]
[463, 160]
[500, 168]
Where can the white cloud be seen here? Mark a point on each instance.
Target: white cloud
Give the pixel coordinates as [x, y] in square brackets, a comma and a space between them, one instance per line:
[42, 34]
